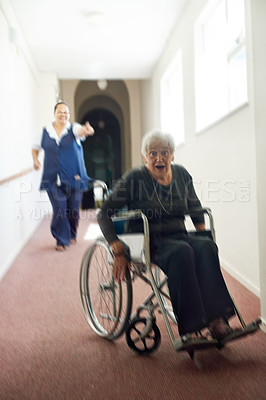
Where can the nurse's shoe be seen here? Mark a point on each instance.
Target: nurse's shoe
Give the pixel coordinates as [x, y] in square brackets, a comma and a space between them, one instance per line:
[59, 248]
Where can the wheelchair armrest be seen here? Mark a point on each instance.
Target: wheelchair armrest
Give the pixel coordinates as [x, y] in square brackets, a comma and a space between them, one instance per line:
[142, 239]
[128, 214]
[204, 210]
[136, 244]
[133, 214]
[102, 185]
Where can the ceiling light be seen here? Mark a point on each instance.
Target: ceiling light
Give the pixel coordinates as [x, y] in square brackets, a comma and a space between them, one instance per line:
[96, 18]
[102, 84]
[101, 124]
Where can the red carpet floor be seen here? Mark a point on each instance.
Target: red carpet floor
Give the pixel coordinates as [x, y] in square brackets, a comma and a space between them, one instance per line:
[48, 351]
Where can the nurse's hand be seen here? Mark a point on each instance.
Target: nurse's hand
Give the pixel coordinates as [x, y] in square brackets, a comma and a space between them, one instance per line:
[36, 165]
[86, 130]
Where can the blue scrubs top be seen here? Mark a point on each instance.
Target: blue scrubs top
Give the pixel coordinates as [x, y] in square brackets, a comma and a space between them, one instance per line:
[63, 163]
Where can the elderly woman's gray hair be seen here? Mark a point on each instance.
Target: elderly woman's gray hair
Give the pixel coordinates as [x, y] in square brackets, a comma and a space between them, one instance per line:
[159, 138]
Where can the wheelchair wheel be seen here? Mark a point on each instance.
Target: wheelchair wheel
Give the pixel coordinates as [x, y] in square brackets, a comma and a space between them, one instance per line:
[159, 277]
[106, 303]
[146, 344]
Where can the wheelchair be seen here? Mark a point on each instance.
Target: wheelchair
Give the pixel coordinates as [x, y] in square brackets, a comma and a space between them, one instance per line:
[107, 304]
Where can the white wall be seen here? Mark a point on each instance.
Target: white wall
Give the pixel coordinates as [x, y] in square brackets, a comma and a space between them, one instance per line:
[257, 22]
[222, 159]
[27, 98]
[133, 87]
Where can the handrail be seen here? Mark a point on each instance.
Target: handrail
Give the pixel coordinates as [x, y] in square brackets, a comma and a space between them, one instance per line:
[15, 176]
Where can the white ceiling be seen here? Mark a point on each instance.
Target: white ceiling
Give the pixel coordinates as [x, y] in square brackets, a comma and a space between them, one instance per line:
[123, 41]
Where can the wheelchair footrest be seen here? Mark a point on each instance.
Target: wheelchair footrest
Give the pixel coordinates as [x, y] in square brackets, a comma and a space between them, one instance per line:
[192, 344]
[240, 333]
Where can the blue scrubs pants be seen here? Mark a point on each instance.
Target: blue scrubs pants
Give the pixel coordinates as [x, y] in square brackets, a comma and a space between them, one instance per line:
[65, 219]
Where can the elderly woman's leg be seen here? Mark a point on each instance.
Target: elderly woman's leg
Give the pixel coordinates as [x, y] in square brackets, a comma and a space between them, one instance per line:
[178, 263]
[217, 302]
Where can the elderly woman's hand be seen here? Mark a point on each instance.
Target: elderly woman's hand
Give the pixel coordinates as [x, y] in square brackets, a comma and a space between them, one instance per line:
[121, 262]
[120, 266]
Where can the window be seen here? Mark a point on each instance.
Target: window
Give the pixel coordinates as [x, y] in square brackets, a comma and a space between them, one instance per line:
[172, 113]
[220, 60]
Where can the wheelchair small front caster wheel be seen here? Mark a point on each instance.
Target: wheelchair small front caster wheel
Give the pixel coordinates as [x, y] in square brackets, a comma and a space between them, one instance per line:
[142, 344]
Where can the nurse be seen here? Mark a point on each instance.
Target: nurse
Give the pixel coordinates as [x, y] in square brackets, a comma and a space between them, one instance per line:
[64, 174]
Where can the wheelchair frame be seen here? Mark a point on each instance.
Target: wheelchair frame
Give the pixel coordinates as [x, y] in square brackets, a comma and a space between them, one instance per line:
[119, 319]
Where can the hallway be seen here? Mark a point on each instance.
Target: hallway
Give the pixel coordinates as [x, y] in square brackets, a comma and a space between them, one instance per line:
[210, 97]
[195, 69]
[48, 352]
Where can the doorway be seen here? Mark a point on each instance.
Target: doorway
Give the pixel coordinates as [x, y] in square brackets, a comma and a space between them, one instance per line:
[102, 151]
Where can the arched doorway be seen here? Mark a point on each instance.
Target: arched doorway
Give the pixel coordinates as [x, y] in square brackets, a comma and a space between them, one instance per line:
[115, 99]
[102, 151]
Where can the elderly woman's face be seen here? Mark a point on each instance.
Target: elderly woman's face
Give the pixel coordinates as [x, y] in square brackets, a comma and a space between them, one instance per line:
[158, 160]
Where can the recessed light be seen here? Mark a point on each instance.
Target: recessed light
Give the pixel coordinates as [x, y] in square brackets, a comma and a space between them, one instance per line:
[102, 84]
[95, 18]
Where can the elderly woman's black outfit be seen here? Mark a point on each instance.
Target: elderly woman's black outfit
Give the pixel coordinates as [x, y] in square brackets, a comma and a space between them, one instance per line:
[196, 286]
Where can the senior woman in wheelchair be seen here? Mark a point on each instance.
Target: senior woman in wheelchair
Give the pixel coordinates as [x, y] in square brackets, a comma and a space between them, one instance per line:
[164, 192]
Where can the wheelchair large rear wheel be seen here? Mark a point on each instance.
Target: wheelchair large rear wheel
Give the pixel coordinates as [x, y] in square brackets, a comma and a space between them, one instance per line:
[106, 303]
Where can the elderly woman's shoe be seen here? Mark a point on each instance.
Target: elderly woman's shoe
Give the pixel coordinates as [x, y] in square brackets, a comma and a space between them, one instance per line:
[219, 329]
[193, 341]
